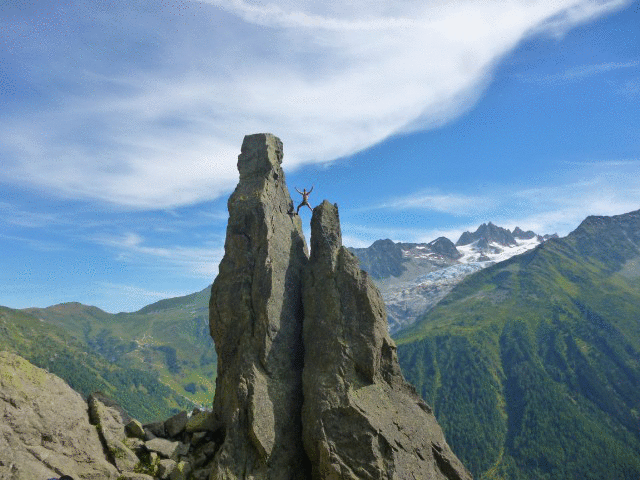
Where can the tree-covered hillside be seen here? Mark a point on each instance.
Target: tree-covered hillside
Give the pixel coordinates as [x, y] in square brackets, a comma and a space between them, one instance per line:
[533, 365]
[140, 392]
[169, 340]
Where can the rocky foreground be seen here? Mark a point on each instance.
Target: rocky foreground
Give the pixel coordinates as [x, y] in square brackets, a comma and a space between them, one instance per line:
[48, 430]
[308, 383]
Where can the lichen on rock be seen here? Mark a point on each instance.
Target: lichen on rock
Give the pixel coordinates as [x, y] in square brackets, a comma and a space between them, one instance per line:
[44, 426]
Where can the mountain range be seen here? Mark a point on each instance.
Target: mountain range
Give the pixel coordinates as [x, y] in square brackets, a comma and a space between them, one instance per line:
[168, 342]
[413, 277]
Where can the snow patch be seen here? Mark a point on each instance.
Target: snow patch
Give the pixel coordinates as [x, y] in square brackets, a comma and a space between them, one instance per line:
[495, 252]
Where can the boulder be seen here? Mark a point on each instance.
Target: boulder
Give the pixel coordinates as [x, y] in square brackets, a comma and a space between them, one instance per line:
[136, 445]
[200, 474]
[165, 448]
[110, 419]
[361, 419]
[203, 454]
[153, 430]
[202, 422]
[134, 476]
[44, 427]
[198, 437]
[172, 470]
[174, 426]
[165, 468]
[255, 315]
[134, 429]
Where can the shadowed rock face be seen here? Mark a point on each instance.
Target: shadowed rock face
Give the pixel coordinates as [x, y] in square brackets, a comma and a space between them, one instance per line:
[361, 420]
[255, 315]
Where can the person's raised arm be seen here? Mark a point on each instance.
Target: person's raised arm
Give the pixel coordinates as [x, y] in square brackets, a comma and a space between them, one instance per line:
[311, 189]
[298, 190]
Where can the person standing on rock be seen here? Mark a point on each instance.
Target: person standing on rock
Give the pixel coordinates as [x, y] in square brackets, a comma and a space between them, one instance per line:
[305, 198]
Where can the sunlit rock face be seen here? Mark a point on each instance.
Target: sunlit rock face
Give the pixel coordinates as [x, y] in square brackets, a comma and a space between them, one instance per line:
[44, 427]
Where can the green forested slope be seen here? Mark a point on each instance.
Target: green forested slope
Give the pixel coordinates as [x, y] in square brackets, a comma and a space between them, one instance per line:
[533, 365]
[169, 339]
[51, 347]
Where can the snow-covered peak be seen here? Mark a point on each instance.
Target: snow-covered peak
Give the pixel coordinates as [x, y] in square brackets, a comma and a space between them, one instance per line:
[493, 252]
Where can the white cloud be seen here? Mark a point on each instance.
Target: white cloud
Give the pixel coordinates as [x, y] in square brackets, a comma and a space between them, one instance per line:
[164, 128]
[580, 72]
[194, 262]
[451, 203]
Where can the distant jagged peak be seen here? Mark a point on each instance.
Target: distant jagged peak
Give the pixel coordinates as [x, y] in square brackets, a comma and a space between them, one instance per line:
[384, 245]
[490, 233]
[382, 258]
[521, 234]
[444, 246]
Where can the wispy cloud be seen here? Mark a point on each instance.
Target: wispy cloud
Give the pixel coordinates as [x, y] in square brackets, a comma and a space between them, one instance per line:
[452, 203]
[630, 88]
[595, 188]
[579, 73]
[34, 243]
[201, 262]
[598, 190]
[148, 110]
[14, 215]
[578, 13]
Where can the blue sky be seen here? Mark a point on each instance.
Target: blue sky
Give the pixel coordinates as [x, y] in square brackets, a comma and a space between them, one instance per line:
[121, 122]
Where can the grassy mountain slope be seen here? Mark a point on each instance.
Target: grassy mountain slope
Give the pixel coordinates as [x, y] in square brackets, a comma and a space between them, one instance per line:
[169, 338]
[533, 365]
[51, 347]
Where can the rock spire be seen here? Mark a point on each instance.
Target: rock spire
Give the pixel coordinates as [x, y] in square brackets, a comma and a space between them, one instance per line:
[309, 385]
[256, 317]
